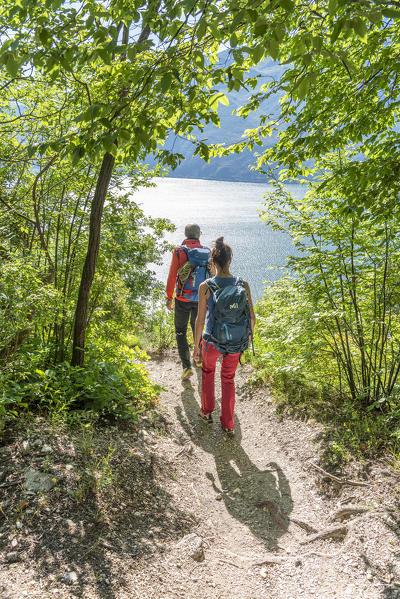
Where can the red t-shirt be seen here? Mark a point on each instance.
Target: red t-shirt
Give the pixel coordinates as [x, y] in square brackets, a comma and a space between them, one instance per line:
[176, 262]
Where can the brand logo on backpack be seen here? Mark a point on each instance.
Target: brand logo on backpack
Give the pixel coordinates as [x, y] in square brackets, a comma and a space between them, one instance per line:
[233, 306]
[193, 272]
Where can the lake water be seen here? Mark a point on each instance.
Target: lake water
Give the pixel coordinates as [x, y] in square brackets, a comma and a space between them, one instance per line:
[223, 208]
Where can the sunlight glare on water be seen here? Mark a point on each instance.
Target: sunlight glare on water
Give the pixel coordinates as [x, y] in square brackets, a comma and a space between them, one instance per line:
[222, 208]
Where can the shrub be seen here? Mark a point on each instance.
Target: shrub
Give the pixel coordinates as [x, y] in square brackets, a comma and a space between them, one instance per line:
[328, 335]
[106, 388]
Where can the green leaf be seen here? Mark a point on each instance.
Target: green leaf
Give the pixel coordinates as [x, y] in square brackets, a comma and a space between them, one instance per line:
[142, 135]
[216, 98]
[333, 6]
[337, 30]
[253, 14]
[12, 65]
[131, 53]
[44, 36]
[106, 122]
[279, 32]
[31, 150]
[201, 29]
[233, 40]
[108, 143]
[317, 42]
[260, 27]
[375, 16]
[258, 53]
[124, 134]
[199, 58]
[360, 29]
[237, 85]
[299, 46]
[104, 55]
[303, 85]
[287, 4]
[65, 63]
[94, 110]
[239, 17]
[78, 153]
[273, 48]
[391, 13]
[165, 83]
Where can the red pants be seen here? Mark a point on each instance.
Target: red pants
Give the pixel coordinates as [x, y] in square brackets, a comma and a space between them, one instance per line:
[228, 369]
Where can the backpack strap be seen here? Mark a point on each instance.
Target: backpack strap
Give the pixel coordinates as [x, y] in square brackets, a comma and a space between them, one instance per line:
[179, 285]
[212, 285]
[242, 283]
[180, 248]
[239, 282]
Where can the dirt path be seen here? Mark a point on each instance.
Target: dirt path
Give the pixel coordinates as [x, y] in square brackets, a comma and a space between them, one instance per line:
[191, 514]
[253, 497]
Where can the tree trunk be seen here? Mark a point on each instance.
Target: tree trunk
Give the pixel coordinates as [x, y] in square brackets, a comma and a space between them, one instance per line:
[89, 268]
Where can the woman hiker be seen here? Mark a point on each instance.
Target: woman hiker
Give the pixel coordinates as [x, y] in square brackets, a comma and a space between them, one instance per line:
[226, 302]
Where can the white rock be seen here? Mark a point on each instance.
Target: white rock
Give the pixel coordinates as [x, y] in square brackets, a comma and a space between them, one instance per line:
[263, 572]
[38, 482]
[25, 447]
[69, 467]
[71, 577]
[192, 545]
[12, 557]
[349, 592]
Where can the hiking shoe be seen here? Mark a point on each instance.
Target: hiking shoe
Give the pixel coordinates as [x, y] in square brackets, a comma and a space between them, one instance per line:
[198, 364]
[230, 432]
[187, 373]
[206, 417]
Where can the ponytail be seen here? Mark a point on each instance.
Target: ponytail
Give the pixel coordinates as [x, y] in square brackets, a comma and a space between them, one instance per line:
[221, 253]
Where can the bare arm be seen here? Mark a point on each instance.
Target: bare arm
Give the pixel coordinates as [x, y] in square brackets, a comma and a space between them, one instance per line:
[204, 294]
[252, 314]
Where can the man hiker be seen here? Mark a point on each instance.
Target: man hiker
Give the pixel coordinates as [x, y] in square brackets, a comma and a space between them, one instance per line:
[190, 266]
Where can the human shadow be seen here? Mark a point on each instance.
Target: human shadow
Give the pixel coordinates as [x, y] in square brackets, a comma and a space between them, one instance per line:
[385, 570]
[258, 498]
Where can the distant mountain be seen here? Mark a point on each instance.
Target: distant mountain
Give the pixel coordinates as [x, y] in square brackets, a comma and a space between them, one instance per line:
[235, 167]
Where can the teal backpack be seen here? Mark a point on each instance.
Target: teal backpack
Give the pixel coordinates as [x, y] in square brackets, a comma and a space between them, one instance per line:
[231, 326]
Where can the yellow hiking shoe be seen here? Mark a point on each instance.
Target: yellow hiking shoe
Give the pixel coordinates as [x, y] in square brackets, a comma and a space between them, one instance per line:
[187, 373]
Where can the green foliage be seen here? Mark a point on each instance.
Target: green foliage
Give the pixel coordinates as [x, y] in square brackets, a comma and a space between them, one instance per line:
[23, 297]
[98, 473]
[328, 336]
[158, 322]
[129, 74]
[84, 80]
[120, 389]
